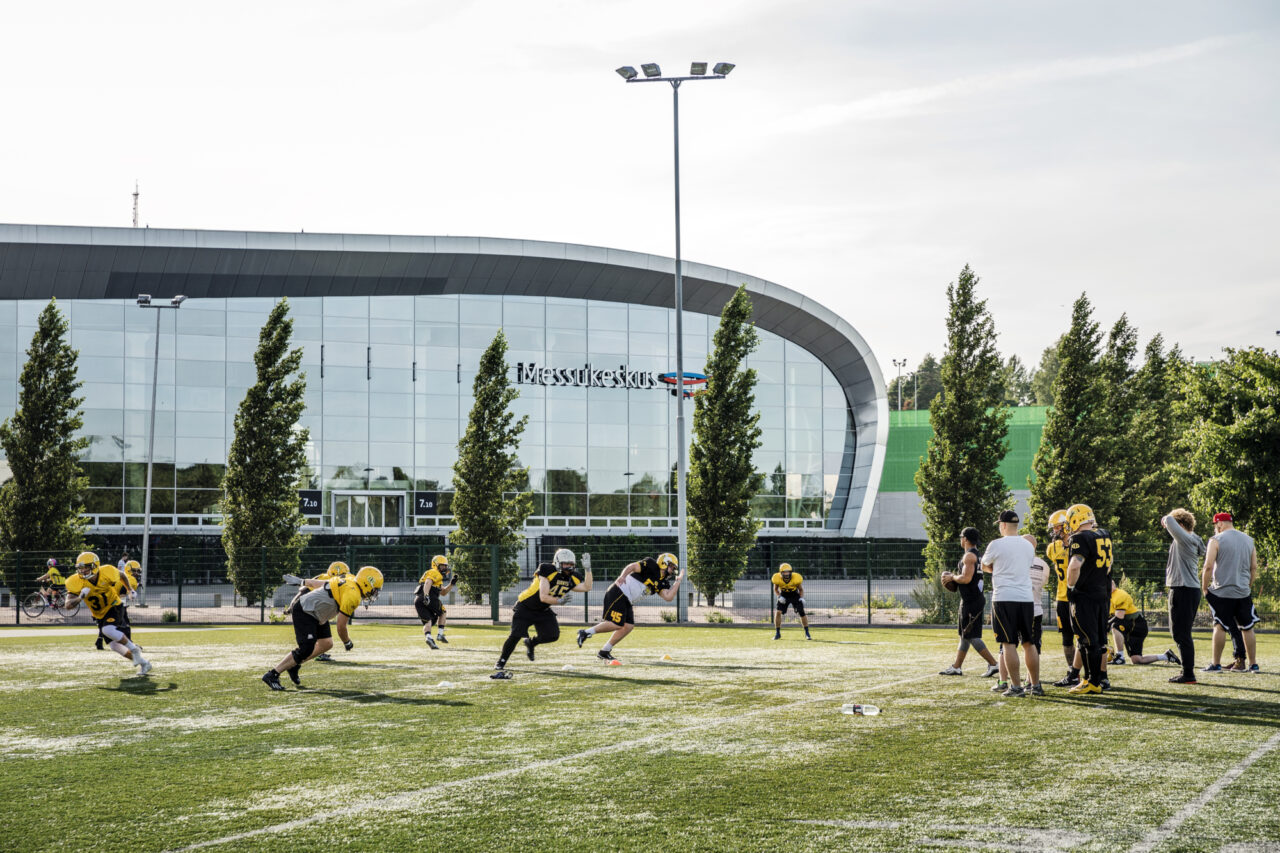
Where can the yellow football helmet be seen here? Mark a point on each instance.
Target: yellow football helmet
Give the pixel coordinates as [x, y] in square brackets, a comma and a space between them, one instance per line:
[87, 563]
[369, 581]
[1077, 515]
[338, 568]
[133, 566]
[785, 569]
[668, 563]
[440, 563]
[1057, 519]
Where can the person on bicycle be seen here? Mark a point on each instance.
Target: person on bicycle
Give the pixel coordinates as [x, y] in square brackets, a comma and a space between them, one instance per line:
[52, 580]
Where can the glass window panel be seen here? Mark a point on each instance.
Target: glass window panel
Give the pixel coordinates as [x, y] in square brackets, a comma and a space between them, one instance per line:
[606, 458]
[643, 318]
[245, 375]
[640, 462]
[645, 437]
[104, 395]
[606, 315]
[770, 348]
[566, 504]
[570, 434]
[518, 312]
[769, 394]
[245, 324]
[391, 331]
[834, 440]
[805, 374]
[832, 461]
[437, 335]
[608, 406]
[797, 354]
[241, 350]
[95, 368]
[805, 418]
[137, 422]
[102, 422]
[809, 508]
[833, 397]
[200, 450]
[802, 462]
[442, 405]
[341, 329]
[350, 454]
[197, 502]
[566, 405]
[804, 440]
[603, 435]
[772, 417]
[531, 339]
[347, 427]
[104, 474]
[439, 308]
[202, 347]
[393, 429]
[98, 314]
[609, 506]
[103, 501]
[388, 454]
[769, 507]
[391, 307]
[606, 344]
[485, 310]
[162, 474]
[212, 373]
[652, 408]
[201, 475]
[767, 458]
[196, 399]
[566, 339]
[399, 380]
[647, 344]
[135, 501]
[194, 321]
[809, 396]
[835, 419]
[651, 505]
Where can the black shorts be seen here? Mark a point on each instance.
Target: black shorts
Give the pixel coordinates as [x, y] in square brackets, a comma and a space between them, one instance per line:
[1012, 621]
[1231, 613]
[115, 616]
[791, 600]
[308, 629]
[1135, 630]
[617, 607]
[543, 622]
[1089, 617]
[1064, 623]
[970, 621]
[1037, 630]
[428, 611]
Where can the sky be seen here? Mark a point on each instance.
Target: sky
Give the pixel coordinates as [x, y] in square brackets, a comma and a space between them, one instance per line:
[861, 153]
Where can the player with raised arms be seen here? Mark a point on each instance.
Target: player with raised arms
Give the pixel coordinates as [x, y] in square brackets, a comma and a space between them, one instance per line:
[659, 575]
[435, 582]
[98, 586]
[337, 599]
[550, 584]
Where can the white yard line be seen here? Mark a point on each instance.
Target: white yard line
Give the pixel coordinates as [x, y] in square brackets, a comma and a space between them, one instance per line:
[412, 798]
[90, 631]
[1191, 809]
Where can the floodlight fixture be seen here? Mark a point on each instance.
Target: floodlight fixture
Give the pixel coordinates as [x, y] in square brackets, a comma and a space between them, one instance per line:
[627, 72]
[651, 69]
[698, 68]
[723, 68]
[177, 300]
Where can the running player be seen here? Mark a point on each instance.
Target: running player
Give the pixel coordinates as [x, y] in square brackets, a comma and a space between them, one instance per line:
[336, 597]
[435, 582]
[788, 585]
[973, 603]
[98, 586]
[1089, 591]
[643, 577]
[551, 583]
[1055, 551]
[1129, 630]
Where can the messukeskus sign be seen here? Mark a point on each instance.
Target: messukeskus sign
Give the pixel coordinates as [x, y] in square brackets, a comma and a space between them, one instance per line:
[585, 376]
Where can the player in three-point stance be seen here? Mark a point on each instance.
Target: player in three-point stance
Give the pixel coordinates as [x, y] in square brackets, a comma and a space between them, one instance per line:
[337, 569]
[643, 577]
[551, 583]
[336, 597]
[435, 582]
[788, 585]
[98, 586]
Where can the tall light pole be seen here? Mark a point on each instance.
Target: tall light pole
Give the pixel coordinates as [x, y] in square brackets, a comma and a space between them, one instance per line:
[653, 74]
[144, 301]
[899, 363]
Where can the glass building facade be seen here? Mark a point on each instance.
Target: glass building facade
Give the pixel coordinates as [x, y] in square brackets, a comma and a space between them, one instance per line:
[389, 379]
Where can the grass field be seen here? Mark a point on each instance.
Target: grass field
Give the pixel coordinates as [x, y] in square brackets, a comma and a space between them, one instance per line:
[736, 743]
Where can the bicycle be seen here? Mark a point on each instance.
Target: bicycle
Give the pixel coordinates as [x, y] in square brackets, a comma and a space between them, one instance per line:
[37, 602]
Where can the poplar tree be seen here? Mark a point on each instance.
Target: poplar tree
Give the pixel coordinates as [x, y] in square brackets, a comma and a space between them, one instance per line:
[1070, 464]
[958, 481]
[261, 527]
[40, 504]
[491, 499]
[722, 478]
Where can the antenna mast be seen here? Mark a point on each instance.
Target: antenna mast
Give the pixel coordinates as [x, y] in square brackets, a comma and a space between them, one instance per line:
[135, 204]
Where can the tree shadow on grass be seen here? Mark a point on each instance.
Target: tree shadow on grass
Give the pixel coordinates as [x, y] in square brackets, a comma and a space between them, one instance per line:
[1219, 709]
[365, 697]
[141, 686]
[360, 664]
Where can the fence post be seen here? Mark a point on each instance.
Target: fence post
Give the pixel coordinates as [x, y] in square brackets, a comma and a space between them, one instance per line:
[17, 588]
[179, 579]
[262, 586]
[493, 583]
[867, 553]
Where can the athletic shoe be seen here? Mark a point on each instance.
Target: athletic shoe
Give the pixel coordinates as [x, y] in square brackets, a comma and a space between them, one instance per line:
[293, 675]
[1182, 679]
[1236, 666]
[144, 666]
[1254, 668]
[1213, 667]
[1173, 659]
[440, 638]
[582, 636]
[951, 670]
[806, 636]
[502, 674]
[1014, 693]
[272, 679]
[992, 669]
[1000, 687]
[1084, 688]
[1117, 659]
[528, 647]
[1035, 690]
[430, 642]
[603, 655]
[98, 644]
[777, 635]
[1106, 684]
[1067, 680]
[325, 657]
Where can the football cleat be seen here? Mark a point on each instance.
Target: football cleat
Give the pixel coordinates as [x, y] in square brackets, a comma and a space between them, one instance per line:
[1084, 688]
[1000, 687]
[603, 655]
[528, 647]
[1174, 659]
[1182, 679]
[1254, 668]
[272, 679]
[777, 635]
[325, 657]
[440, 638]
[1035, 690]
[430, 642]
[951, 670]
[583, 633]
[144, 666]
[502, 674]
[1068, 680]
[98, 643]
[992, 669]
[1014, 693]
[293, 674]
[1213, 667]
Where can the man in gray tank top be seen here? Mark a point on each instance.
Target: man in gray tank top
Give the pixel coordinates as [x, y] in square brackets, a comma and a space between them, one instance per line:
[1230, 569]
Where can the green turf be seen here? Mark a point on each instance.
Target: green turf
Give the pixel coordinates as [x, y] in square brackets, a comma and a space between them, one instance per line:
[737, 743]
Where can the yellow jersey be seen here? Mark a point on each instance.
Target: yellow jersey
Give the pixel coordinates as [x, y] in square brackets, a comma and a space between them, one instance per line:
[346, 594]
[1121, 600]
[431, 578]
[1056, 553]
[330, 575]
[787, 586]
[101, 594]
[56, 578]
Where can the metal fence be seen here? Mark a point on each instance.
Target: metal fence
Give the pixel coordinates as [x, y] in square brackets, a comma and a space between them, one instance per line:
[846, 582]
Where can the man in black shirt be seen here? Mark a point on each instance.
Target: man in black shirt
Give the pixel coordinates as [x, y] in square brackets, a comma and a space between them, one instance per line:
[1089, 591]
[551, 583]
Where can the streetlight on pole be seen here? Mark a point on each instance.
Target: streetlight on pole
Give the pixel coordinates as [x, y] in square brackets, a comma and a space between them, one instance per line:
[899, 363]
[144, 301]
[653, 74]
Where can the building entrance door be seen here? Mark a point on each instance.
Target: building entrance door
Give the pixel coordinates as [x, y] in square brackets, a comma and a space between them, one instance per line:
[369, 513]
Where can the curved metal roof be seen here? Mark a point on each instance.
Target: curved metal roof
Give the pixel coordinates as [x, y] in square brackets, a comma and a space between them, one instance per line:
[74, 262]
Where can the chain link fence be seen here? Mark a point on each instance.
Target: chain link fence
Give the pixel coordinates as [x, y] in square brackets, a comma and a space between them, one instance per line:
[852, 582]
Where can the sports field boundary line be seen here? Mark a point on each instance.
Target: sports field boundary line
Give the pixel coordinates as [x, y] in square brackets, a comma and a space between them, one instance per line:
[1191, 809]
[409, 798]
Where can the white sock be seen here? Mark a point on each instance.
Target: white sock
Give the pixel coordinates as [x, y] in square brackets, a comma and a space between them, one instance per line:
[590, 631]
[118, 648]
[606, 647]
[1164, 656]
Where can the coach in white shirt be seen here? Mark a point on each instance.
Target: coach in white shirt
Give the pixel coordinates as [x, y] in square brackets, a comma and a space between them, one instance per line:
[1009, 560]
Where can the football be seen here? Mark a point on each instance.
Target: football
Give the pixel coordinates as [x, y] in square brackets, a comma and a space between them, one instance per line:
[949, 581]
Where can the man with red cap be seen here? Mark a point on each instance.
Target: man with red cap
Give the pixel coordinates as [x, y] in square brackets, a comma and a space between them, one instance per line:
[1230, 570]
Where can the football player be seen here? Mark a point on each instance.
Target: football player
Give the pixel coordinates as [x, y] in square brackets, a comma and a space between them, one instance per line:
[551, 583]
[788, 585]
[1055, 551]
[98, 586]
[435, 582]
[973, 603]
[1129, 629]
[1089, 592]
[659, 575]
[333, 599]
[337, 569]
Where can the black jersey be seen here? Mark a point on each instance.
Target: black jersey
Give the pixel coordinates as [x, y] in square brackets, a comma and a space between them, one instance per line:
[560, 581]
[971, 592]
[650, 575]
[1093, 547]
